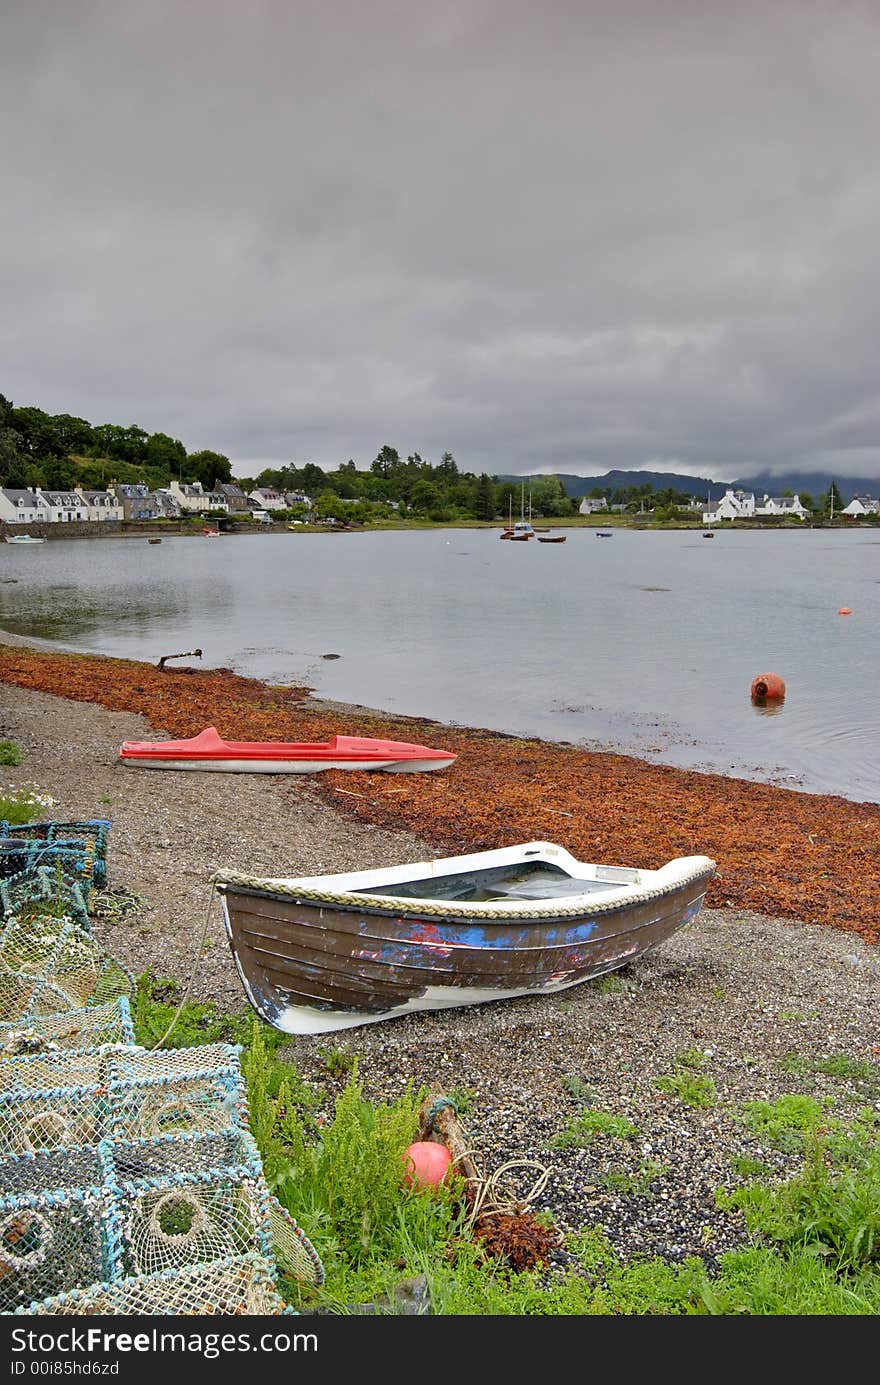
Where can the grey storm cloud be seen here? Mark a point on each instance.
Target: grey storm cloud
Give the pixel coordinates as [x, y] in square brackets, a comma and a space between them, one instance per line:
[559, 237]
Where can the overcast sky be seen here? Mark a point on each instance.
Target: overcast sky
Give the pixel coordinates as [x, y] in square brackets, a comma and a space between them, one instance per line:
[564, 236]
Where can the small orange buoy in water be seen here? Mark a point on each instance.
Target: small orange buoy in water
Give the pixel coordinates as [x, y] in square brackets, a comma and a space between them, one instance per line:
[768, 687]
[845, 611]
[427, 1163]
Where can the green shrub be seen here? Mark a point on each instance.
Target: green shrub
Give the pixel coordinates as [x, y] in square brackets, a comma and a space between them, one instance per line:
[10, 753]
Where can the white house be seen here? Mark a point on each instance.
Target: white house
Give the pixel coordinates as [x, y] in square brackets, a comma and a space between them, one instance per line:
[268, 499]
[62, 507]
[101, 505]
[20, 507]
[292, 498]
[861, 505]
[590, 504]
[192, 498]
[732, 505]
[783, 505]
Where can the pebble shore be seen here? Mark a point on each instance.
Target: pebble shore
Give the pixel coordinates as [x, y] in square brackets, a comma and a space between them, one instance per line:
[757, 1002]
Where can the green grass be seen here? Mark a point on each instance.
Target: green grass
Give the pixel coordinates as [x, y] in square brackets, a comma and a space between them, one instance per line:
[692, 1086]
[25, 804]
[10, 753]
[860, 1073]
[815, 1237]
[581, 1131]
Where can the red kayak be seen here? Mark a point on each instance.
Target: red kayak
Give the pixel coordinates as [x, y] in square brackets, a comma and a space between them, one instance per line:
[209, 751]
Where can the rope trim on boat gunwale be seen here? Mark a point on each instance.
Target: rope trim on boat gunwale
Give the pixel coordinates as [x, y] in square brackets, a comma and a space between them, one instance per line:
[446, 908]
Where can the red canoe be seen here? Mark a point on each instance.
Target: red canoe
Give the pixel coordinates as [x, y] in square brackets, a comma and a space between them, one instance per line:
[209, 751]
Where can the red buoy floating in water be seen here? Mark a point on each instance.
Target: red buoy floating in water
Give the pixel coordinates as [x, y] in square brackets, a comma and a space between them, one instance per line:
[768, 687]
[427, 1163]
[845, 611]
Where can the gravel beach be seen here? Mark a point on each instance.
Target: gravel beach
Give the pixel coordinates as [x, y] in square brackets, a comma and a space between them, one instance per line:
[761, 999]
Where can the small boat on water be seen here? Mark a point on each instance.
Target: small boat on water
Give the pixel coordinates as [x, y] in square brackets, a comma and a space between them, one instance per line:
[708, 534]
[326, 952]
[551, 538]
[24, 538]
[603, 533]
[154, 540]
[209, 750]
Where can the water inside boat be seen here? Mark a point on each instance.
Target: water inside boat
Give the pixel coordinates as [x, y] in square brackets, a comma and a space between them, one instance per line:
[532, 880]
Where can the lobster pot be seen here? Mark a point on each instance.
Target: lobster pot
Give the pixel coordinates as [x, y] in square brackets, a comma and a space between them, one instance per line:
[58, 1226]
[169, 1157]
[63, 859]
[72, 969]
[44, 888]
[72, 1029]
[81, 1096]
[183, 1219]
[191, 1091]
[90, 832]
[32, 1121]
[237, 1286]
[292, 1249]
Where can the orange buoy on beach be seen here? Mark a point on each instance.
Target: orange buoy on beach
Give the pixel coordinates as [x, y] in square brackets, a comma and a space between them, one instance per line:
[845, 611]
[427, 1163]
[768, 687]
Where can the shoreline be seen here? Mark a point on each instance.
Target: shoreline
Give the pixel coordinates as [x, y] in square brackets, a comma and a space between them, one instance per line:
[743, 989]
[810, 857]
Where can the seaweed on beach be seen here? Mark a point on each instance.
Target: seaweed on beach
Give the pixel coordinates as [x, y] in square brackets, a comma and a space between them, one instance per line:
[808, 857]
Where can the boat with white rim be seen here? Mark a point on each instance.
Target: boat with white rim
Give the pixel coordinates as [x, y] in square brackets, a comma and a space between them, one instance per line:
[326, 952]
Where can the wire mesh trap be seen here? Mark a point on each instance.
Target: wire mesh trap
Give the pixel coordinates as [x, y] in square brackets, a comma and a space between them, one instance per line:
[90, 833]
[129, 1179]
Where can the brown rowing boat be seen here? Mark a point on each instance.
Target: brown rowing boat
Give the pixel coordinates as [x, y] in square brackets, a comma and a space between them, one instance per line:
[326, 952]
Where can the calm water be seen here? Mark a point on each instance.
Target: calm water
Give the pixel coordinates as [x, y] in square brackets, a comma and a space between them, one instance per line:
[644, 642]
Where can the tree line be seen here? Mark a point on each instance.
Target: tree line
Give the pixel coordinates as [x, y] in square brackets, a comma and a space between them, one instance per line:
[60, 451]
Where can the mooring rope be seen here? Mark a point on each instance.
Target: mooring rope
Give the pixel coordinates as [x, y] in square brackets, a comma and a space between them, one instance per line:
[192, 976]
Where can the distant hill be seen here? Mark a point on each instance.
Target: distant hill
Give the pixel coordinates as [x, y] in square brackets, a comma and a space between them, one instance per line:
[798, 482]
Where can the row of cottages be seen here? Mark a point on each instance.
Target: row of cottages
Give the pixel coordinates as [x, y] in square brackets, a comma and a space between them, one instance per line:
[137, 502]
[862, 505]
[741, 505]
[40, 506]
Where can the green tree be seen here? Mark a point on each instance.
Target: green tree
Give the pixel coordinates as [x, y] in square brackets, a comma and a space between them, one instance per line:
[211, 468]
[548, 496]
[37, 431]
[165, 452]
[425, 496]
[122, 444]
[313, 480]
[72, 434]
[388, 459]
[485, 499]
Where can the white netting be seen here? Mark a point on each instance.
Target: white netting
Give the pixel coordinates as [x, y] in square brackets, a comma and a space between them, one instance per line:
[56, 1220]
[293, 1250]
[49, 965]
[74, 1097]
[190, 1222]
[241, 1286]
[126, 1170]
[78, 1028]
